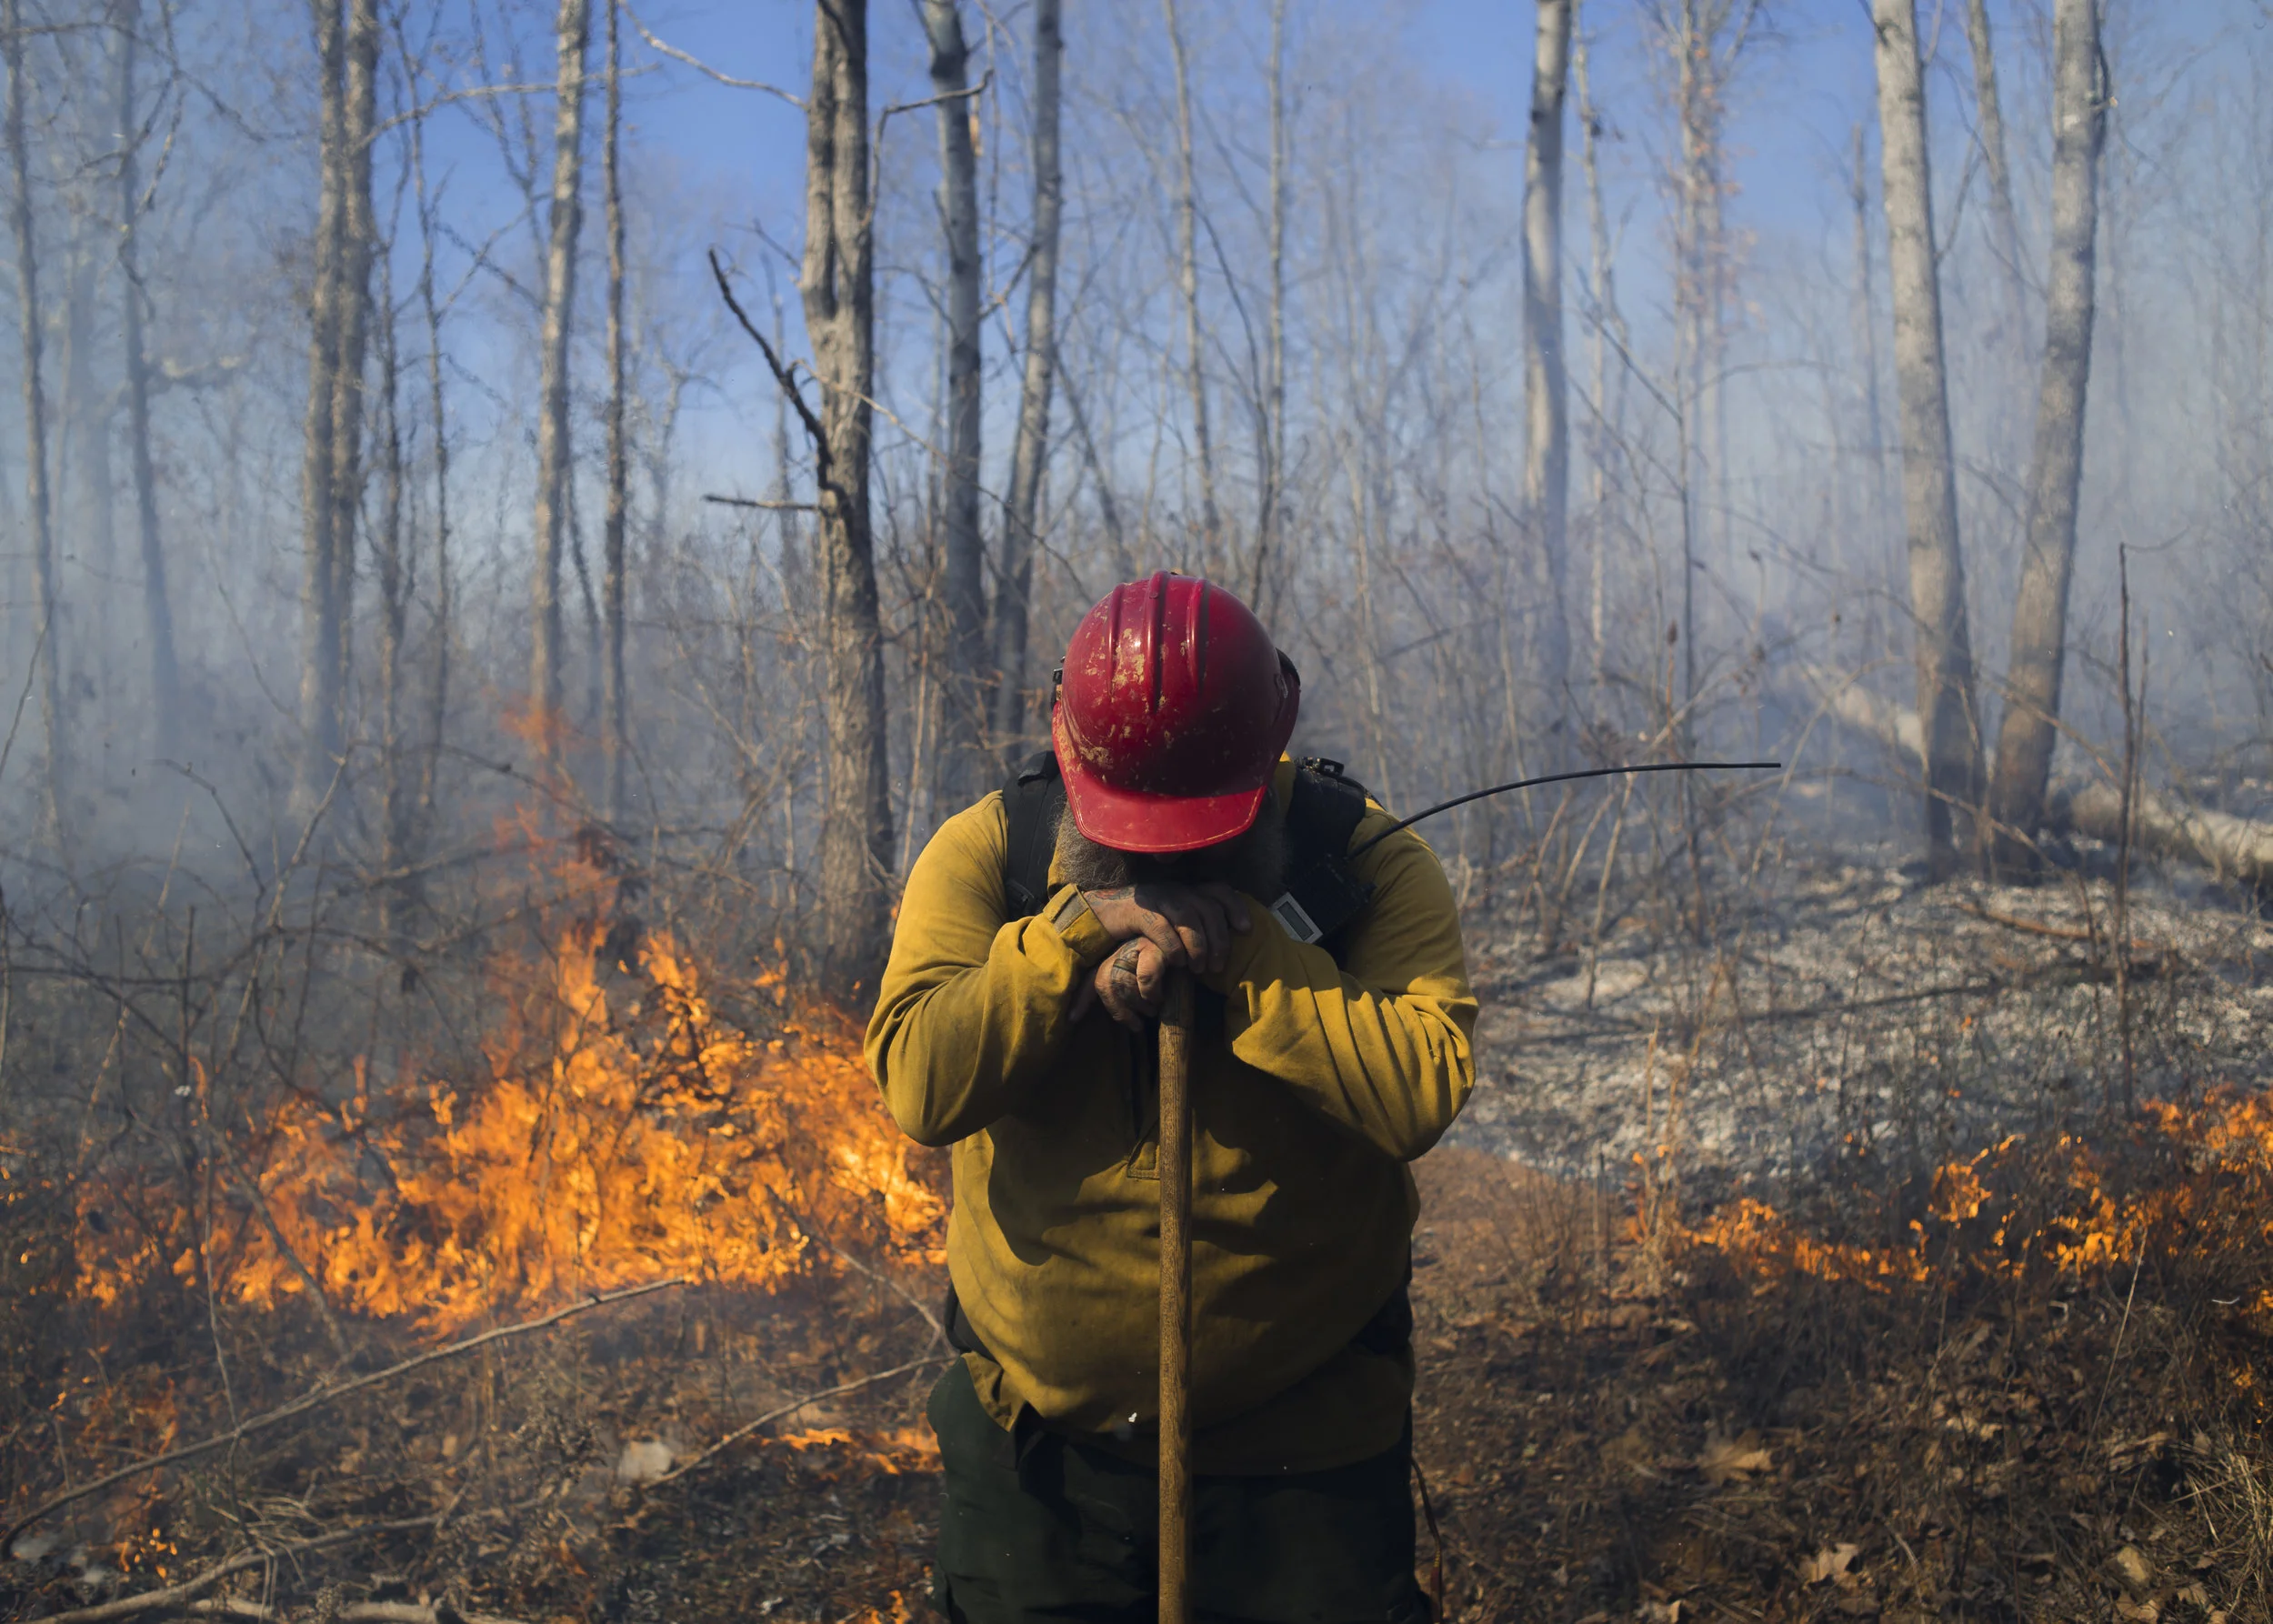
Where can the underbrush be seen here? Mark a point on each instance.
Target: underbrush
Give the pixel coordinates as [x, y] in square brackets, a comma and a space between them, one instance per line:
[2041, 1396]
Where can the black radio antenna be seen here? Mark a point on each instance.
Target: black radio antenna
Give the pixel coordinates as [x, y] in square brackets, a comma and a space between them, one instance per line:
[1592, 772]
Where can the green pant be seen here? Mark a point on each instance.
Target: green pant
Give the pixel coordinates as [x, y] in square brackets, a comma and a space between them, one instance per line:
[1042, 1526]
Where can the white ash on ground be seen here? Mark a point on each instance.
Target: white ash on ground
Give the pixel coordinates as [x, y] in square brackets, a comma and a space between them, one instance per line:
[1845, 1011]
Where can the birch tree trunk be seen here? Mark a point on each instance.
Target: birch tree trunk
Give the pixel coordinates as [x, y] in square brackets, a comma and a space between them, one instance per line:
[1546, 452]
[838, 284]
[2004, 220]
[2039, 641]
[55, 791]
[157, 612]
[1929, 486]
[320, 664]
[1187, 279]
[553, 452]
[616, 743]
[1031, 451]
[962, 698]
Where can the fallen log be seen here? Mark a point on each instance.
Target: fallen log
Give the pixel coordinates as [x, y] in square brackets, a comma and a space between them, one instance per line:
[2230, 848]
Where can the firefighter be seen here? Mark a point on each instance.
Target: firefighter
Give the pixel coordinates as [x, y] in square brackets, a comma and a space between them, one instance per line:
[1035, 941]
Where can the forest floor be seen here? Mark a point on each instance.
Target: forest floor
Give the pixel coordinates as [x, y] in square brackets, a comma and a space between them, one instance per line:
[1806, 1276]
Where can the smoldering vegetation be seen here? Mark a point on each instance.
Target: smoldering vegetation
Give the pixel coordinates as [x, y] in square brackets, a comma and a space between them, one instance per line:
[501, 575]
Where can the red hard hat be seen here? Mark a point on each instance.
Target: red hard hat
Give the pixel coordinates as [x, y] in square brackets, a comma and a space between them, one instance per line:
[1172, 708]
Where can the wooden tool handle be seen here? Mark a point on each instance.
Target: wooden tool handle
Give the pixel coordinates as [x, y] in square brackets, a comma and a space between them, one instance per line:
[1175, 1298]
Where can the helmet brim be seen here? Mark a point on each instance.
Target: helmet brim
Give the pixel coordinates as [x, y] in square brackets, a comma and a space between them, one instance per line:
[1152, 825]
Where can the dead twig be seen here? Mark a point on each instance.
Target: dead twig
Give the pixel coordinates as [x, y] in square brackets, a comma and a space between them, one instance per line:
[2059, 933]
[354, 1612]
[175, 1598]
[318, 1400]
[743, 1431]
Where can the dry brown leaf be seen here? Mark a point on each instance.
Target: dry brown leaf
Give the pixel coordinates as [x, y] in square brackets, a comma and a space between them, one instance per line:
[1831, 1562]
[2136, 1570]
[2138, 1612]
[1725, 1460]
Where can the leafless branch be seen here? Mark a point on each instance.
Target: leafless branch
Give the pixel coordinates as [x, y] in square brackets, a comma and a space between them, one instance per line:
[743, 1431]
[702, 68]
[314, 1401]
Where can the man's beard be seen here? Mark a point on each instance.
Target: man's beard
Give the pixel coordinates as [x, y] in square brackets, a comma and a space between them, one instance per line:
[1254, 863]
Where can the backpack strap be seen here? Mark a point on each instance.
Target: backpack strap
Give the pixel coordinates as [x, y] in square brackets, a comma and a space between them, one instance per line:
[1323, 894]
[1031, 802]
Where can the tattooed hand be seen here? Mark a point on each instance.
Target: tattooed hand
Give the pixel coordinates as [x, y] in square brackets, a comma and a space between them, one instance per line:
[1191, 926]
[1128, 985]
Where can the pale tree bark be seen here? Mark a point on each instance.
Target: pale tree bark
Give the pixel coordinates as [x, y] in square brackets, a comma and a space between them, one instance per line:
[1187, 279]
[358, 244]
[1866, 320]
[615, 741]
[320, 648]
[555, 454]
[1546, 450]
[838, 284]
[1929, 486]
[1014, 594]
[396, 581]
[157, 611]
[438, 691]
[2039, 641]
[2004, 219]
[1703, 40]
[85, 470]
[1602, 289]
[962, 756]
[1273, 476]
[55, 791]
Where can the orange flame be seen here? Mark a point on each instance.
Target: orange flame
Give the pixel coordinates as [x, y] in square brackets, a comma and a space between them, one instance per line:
[2199, 1185]
[648, 1137]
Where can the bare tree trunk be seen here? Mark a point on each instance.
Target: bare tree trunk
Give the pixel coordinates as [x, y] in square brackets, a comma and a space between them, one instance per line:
[1603, 291]
[2039, 641]
[358, 244]
[962, 759]
[56, 798]
[555, 455]
[85, 464]
[320, 663]
[616, 738]
[1866, 319]
[1188, 274]
[2004, 220]
[1546, 452]
[1272, 477]
[396, 582]
[438, 688]
[1930, 485]
[838, 283]
[157, 608]
[1014, 595]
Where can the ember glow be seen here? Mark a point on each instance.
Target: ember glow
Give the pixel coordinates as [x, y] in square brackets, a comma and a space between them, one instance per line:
[2196, 1186]
[623, 1133]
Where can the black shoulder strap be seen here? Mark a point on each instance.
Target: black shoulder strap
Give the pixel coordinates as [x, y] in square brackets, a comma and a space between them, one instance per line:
[1323, 894]
[1325, 811]
[1031, 802]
